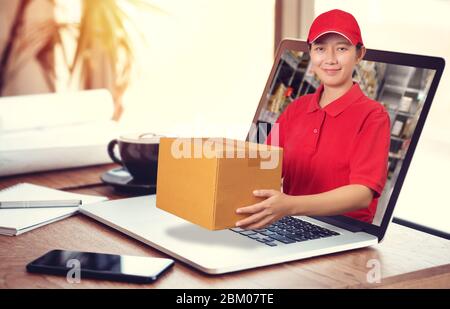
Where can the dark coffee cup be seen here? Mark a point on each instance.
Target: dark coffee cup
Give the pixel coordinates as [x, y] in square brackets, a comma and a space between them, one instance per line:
[138, 154]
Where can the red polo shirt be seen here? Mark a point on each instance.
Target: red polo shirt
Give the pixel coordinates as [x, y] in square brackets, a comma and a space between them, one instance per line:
[346, 142]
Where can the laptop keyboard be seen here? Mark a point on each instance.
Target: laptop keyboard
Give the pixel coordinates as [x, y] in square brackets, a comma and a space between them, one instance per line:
[286, 231]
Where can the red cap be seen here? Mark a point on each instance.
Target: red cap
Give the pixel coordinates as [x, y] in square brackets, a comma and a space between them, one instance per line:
[336, 21]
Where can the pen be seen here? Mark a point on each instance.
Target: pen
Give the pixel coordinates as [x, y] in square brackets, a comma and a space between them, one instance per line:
[40, 204]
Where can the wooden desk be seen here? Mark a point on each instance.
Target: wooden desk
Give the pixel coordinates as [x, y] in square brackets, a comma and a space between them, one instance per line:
[408, 258]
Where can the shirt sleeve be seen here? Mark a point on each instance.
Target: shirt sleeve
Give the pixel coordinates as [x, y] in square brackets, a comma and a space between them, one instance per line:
[370, 151]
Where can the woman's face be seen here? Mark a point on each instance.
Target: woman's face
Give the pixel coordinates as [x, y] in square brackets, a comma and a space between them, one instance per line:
[334, 58]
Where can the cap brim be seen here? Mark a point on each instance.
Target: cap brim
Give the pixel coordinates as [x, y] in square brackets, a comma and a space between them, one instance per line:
[332, 31]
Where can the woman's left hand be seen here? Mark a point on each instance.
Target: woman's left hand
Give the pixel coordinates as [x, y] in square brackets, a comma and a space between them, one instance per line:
[266, 212]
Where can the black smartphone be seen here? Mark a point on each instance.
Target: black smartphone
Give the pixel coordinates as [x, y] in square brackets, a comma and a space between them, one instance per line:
[78, 265]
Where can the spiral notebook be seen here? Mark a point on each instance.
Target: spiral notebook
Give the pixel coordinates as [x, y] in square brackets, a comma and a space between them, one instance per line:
[17, 221]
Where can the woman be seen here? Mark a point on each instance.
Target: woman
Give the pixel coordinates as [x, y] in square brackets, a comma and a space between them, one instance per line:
[336, 141]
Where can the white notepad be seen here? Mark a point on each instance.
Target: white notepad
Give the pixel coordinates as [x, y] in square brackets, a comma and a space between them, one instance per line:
[18, 221]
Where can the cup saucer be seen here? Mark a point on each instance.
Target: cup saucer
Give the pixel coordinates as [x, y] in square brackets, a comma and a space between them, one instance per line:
[122, 180]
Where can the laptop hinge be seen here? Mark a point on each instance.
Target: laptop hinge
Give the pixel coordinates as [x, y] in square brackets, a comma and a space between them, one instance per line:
[339, 221]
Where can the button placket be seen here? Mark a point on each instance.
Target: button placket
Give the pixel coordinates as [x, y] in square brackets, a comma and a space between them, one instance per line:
[317, 129]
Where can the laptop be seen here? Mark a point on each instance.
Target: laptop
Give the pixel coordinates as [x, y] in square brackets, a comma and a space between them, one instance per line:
[404, 83]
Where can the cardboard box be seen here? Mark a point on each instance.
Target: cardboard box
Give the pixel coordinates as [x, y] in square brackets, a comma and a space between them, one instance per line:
[204, 180]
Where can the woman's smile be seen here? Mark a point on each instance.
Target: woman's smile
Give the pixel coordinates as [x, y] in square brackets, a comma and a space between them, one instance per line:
[331, 72]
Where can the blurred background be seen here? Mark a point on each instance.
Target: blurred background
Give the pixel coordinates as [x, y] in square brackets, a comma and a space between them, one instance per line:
[208, 60]
[179, 63]
[198, 67]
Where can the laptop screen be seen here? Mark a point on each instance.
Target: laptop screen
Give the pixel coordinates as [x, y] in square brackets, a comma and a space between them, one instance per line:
[402, 88]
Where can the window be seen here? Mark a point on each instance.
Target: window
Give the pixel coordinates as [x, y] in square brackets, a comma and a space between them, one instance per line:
[204, 67]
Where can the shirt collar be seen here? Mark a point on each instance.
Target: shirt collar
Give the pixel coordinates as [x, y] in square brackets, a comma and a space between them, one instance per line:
[337, 106]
